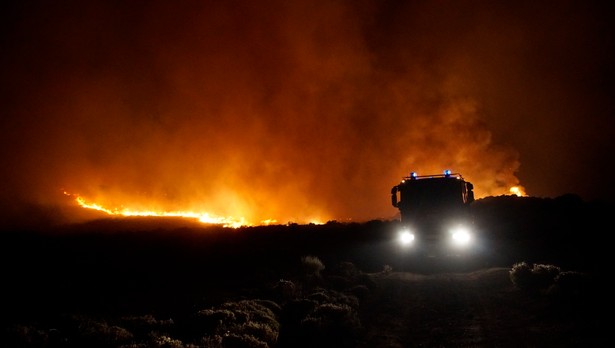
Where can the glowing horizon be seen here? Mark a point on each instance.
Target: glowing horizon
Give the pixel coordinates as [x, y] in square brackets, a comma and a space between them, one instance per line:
[202, 217]
[206, 217]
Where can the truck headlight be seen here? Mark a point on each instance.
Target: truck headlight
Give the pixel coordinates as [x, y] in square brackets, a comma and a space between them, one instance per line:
[406, 237]
[461, 236]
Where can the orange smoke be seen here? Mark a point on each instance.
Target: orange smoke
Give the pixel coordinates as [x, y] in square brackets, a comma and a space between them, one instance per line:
[291, 112]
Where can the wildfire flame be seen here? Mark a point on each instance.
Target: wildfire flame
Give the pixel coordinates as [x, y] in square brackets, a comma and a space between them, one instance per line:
[205, 218]
[518, 191]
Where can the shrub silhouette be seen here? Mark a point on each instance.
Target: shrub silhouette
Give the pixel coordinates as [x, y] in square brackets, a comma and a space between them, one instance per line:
[323, 318]
[284, 290]
[573, 288]
[144, 324]
[163, 341]
[322, 296]
[347, 269]
[332, 325]
[535, 278]
[293, 313]
[346, 276]
[246, 323]
[100, 334]
[24, 336]
[312, 266]
[572, 282]
[234, 340]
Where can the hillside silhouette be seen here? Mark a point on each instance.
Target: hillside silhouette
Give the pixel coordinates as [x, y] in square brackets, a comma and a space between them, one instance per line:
[136, 282]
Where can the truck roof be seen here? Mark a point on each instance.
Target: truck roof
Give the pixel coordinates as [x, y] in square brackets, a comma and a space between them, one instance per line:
[447, 174]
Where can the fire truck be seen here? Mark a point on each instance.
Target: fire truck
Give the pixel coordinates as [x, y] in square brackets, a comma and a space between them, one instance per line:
[435, 213]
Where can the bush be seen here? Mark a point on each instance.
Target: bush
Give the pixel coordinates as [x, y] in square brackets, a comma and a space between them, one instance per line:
[285, 290]
[312, 266]
[143, 324]
[571, 284]
[347, 269]
[247, 323]
[24, 336]
[535, 278]
[99, 334]
[325, 318]
[163, 341]
[332, 325]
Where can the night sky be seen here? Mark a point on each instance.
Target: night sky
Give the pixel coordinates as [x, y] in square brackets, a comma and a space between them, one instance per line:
[299, 110]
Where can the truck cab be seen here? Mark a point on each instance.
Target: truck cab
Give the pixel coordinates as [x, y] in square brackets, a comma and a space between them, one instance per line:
[435, 213]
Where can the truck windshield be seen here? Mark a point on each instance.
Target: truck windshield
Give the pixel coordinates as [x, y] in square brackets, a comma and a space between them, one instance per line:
[432, 195]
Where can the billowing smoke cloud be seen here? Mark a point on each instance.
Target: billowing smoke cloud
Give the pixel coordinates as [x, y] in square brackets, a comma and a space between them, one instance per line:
[294, 111]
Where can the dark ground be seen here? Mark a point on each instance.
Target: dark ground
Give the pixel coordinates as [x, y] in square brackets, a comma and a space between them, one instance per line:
[112, 268]
[475, 309]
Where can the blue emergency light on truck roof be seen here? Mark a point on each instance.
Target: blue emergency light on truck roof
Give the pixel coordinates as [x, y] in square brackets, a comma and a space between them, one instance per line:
[447, 174]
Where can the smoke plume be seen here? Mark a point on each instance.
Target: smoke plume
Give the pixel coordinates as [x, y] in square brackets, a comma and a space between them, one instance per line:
[296, 111]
